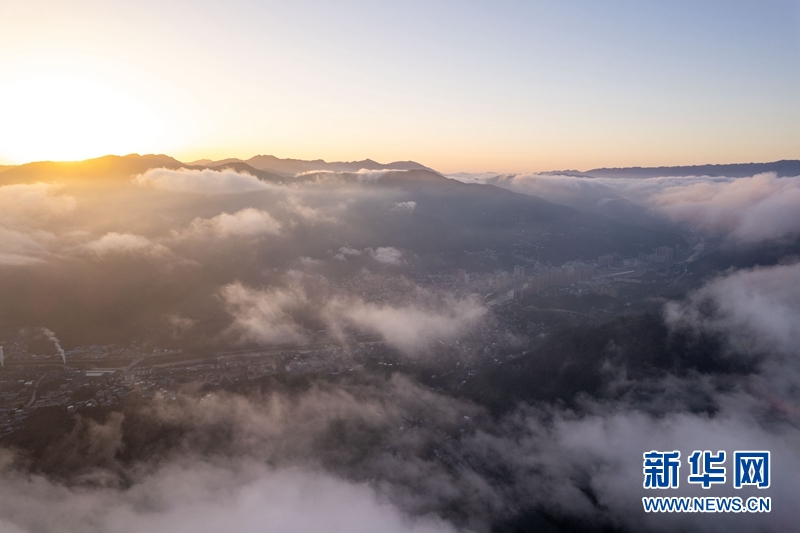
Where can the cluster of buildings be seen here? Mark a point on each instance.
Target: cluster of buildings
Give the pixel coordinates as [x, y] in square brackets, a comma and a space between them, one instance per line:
[521, 283]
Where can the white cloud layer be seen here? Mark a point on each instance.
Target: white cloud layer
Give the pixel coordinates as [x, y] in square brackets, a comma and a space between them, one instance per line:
[206, 498]
[201, 181]
[404, 206]
[387, 255]
[124, 243]
[411, 327]
[742, 209]
[273, 315]
[759, 309]
[24, 210]
[244, 223]
[30, 204]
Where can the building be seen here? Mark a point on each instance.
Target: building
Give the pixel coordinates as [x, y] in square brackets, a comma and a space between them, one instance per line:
[519, 273]
[605, 261]
[502, 280]
[664, 253]
[583, 272]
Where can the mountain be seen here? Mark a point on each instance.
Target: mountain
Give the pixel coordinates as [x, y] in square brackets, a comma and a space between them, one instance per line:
[783, 168]
[102, 169]
[116, 169]
[462, 219]
[244, 168]
[212, 163]
[292, 167]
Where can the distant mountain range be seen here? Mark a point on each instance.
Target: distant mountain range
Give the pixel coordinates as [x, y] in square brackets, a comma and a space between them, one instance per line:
[112, 168]
[292, 167]
[276, 167]
[448, 216]
[783, 168]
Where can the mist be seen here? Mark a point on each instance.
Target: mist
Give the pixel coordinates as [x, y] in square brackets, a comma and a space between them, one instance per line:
[366, 350]
[741, 209]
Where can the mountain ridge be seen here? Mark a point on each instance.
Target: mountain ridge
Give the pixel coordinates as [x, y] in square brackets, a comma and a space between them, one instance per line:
[289, 166]
[783, 168]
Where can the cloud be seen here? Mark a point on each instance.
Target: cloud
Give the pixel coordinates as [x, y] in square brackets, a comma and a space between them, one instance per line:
[313, 215]
[24, 247]
[265, 316]
[371, 176]
[589, 467]
[245, 497]
[742, 209]
[24, 209]
[180, 324]
[245, 223]
[345, 252]
[31, 204]
[746, 209]
[18, 259]
[410, 327]
[201, 181]
[277, 314]
[404, 207]
[758, 309]
[125, 243]
[757, 312]
[387, 255]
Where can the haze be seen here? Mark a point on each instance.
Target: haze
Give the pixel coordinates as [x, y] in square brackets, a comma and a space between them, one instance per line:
[410, 267]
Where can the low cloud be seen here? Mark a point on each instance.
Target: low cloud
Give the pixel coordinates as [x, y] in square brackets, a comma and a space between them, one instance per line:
[313, 215]
[757, 309]
[404, 207]
[742, 209]
[31, 204]
[370, 176]
[125, 243]
[25, 209]
[345, 252]
[384, 254]
[201, 181]
[387, 255]
[278, 314]
[24, 247]
[245, 497]
[265, 316]
[248, 222]
[411, 327]
[757, 312]
[746, 209]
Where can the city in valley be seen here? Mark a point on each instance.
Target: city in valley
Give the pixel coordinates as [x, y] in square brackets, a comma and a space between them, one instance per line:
[527, 305]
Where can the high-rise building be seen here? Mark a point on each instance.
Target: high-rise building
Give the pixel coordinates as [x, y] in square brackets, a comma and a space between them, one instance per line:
[519, 273]
[502, 279]
[583, 272]
[665, 253]
[605, 261]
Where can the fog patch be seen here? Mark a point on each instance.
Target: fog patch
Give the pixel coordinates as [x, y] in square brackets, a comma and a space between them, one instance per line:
[125, 243]
[247, 222]
[201, 181]
[746, 209]
[242, 496]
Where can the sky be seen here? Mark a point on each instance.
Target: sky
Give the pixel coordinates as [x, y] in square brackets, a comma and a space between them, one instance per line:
[506, 86]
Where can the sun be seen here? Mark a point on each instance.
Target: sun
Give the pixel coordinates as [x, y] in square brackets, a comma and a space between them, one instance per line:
[70, 118]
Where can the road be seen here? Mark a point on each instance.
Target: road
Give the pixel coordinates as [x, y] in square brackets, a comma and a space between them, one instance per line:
[33, 396]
